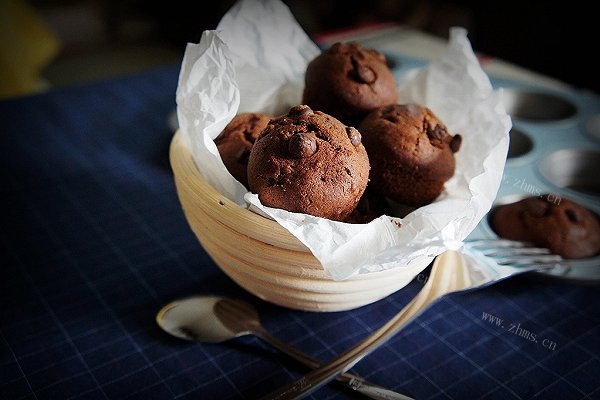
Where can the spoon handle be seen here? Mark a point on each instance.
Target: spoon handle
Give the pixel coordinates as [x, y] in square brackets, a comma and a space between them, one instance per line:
[354, 382]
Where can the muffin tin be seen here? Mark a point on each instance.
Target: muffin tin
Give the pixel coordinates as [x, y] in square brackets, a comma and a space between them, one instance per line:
[551, 152]
[554, 149]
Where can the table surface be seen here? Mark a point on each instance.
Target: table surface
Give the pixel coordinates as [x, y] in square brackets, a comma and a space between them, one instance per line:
[94, 241]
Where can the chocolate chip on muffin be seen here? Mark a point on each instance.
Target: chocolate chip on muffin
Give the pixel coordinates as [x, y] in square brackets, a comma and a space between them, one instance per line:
[309, 162]
[236, 141]
[348, 81]
[559, 224]
[410, 151]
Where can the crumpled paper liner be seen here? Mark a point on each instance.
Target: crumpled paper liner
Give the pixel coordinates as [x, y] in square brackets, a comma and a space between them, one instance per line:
[255, 62]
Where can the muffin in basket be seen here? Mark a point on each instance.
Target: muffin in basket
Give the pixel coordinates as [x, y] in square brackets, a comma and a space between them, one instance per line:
[311, 163]
[348, 81]
[236, 141]
[411, 153]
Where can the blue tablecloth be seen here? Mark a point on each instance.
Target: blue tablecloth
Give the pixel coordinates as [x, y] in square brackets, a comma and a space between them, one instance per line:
[94, 242]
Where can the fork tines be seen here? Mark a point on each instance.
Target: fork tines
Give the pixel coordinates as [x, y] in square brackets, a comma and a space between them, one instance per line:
[497, 243]
[511, 252]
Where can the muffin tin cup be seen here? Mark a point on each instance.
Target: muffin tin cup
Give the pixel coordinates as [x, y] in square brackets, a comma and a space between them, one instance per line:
[520, 145]
[573, 170]
[537, 106]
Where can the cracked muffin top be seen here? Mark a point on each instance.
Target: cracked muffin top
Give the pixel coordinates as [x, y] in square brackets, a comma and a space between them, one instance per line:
[348, 81]
[309, 162]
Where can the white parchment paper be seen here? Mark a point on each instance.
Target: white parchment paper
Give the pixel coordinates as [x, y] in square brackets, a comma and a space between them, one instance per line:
[255, 61]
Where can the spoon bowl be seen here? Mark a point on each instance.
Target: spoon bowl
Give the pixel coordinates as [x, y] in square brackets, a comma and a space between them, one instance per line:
[195, 319]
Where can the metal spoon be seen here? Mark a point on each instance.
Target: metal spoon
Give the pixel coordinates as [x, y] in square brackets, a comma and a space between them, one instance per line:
[213, 319]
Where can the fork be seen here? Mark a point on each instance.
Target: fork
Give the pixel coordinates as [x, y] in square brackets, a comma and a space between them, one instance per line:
[482, 263]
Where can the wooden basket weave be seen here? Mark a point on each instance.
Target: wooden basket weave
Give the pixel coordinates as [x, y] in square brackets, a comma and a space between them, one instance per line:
[263, 257]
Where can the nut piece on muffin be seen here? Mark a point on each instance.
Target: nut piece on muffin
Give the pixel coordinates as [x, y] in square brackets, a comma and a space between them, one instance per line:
[236, 141]
[348, 81]
[410, 151]
[561, 225]
[309, 162]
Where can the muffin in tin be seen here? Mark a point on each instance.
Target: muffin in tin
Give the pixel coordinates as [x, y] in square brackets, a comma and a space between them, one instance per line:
[559, 224]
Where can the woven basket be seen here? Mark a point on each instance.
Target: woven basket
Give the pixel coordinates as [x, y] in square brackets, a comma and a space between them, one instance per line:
[263, 257]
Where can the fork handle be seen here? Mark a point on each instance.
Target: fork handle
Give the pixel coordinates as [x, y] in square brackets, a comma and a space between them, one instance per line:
[444, 283]
[354, 382]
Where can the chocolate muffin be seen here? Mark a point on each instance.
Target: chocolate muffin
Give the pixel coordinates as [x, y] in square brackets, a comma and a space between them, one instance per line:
[236, 140]
[410, 151]
[561, 225]
[309, 162]
[348, 81]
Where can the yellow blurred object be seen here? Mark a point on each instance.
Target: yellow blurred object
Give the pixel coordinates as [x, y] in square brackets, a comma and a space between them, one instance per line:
[27, 45]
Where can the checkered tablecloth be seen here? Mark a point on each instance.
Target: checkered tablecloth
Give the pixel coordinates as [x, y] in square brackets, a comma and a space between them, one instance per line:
[93, 242]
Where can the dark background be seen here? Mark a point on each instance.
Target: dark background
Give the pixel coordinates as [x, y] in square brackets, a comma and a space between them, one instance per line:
[559, 39]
